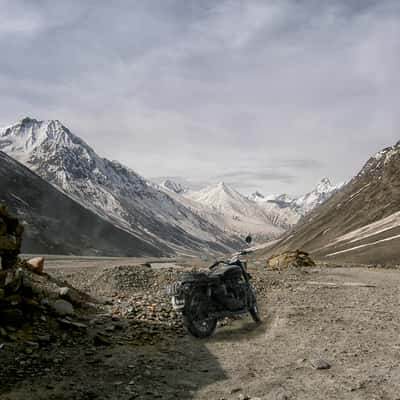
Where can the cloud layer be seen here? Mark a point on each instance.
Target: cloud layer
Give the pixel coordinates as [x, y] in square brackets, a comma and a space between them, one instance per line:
[265, 95]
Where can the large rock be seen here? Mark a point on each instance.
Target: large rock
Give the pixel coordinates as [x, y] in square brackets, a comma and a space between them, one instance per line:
[62, 307]
[35, 264]
[290, 259]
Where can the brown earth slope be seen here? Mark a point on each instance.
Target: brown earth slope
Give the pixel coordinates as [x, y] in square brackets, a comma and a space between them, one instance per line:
[371, 197]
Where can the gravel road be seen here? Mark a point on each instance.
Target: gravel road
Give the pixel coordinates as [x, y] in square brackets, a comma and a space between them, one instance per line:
[329, 333]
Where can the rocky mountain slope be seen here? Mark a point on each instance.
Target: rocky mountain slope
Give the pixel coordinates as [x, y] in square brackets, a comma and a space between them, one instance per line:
[56, 224]
[110, 189]
[237, 213]
[264, 217]
[173, 186]
[359, 223]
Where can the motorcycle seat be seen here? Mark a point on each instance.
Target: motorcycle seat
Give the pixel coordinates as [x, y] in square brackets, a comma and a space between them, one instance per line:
[198, 277]
[227, 270]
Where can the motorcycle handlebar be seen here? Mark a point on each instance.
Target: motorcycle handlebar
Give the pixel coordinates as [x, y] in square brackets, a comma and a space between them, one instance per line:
[223, 262]
[216, 264]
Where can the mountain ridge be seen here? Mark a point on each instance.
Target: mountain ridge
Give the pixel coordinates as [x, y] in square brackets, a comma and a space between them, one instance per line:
[108, 188]
[359, 223]
[49, 229]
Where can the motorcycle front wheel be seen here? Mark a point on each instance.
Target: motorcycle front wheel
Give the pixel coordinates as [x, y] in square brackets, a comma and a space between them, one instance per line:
[255, 313]
[193, 317]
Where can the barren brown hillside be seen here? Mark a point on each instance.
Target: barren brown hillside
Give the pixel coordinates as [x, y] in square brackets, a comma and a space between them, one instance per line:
[361, 223]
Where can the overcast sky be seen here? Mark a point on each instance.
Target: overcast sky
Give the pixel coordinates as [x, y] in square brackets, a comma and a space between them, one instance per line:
[267, 95]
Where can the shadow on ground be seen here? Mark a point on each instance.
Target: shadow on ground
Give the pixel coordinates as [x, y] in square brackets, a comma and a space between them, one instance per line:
[174, 367]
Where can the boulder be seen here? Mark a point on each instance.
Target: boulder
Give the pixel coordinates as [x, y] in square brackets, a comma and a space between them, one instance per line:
[35, 264]
[70, 295]
[290, 259]
[62, 307]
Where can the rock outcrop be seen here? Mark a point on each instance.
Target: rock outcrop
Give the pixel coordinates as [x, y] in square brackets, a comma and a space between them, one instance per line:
[290, 259]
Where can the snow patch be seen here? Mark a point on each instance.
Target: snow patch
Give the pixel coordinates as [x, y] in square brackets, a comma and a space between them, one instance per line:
[365, 245]
[375, 228]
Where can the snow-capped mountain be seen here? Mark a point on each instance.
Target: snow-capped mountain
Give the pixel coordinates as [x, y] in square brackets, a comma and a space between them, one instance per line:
[256, 196]
[173, 186]
[316, 197]
[237, 213]
[361, 222]
[49, 229]
[173, 182]
[110, 189]
[301, 205]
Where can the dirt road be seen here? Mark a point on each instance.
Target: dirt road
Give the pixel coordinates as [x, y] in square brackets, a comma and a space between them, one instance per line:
[54, 263]
[345, 319]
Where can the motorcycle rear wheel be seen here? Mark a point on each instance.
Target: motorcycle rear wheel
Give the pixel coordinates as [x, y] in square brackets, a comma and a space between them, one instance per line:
[200, 328]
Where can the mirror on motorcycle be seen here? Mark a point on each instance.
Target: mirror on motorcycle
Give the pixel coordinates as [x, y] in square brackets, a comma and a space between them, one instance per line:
[248, 239]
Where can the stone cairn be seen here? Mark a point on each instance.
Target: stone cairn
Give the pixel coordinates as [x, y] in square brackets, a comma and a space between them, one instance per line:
[26, 293]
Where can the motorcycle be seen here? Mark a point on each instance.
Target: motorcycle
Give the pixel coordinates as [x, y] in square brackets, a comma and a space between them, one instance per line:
[204, 298]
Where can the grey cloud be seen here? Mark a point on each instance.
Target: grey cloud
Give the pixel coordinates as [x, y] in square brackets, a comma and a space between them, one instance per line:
[302, 164]
[243, 177]
[189, 88]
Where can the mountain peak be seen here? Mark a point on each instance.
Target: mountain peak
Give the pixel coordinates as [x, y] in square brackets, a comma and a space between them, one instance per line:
[28, 120]
[326, 181]
[323, 190]
[28, 135]
[378, 163]
[324, 186]
[108, 188]
[221, 185]
[173, 186]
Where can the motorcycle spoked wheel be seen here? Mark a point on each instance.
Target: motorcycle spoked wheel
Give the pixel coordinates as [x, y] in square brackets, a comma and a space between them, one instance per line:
[197, 326]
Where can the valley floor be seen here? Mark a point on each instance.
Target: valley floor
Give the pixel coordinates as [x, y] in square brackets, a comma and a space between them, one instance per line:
[345, 318]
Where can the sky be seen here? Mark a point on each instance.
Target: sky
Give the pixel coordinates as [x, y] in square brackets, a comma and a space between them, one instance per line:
[264, 95]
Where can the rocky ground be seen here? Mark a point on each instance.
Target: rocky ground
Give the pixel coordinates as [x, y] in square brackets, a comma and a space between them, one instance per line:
[327, 333]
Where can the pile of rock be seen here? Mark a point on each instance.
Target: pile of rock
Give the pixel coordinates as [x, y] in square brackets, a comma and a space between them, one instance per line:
[290, 259]
[139, 296]
[134, 295]
[26, 297]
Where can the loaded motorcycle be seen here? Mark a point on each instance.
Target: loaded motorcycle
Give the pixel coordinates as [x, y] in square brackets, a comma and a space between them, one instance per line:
[204, 298]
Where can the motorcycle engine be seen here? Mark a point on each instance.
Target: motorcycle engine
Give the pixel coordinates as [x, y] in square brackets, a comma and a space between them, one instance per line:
[239, 289]
[234, 295]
